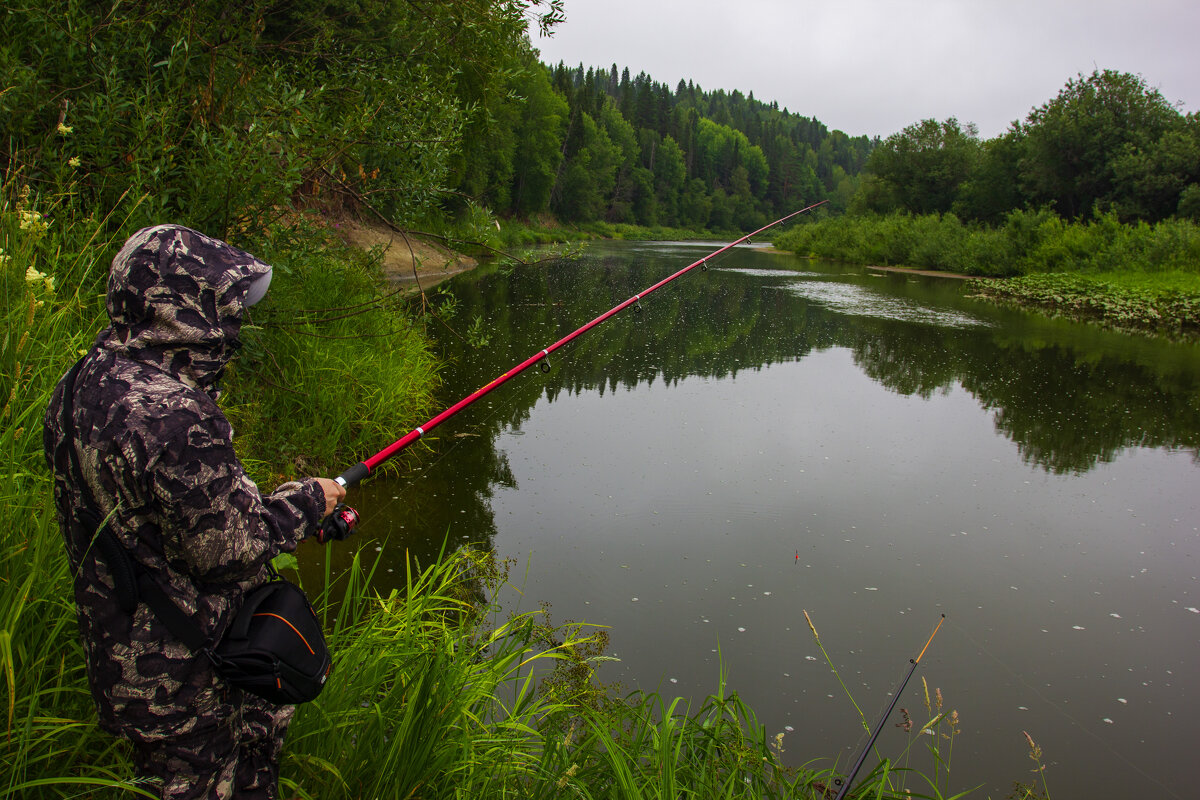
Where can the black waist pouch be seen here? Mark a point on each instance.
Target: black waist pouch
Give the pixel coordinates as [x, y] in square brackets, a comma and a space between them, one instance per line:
[274, 647]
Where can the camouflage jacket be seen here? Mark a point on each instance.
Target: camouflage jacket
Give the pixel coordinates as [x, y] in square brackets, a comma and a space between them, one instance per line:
[157, 455]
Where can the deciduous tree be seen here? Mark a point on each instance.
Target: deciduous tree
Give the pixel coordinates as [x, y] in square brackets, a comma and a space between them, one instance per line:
[922, 168]
[1073, 142]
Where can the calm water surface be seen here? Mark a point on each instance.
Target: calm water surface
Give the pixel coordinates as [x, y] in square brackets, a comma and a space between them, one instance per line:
[777, 435]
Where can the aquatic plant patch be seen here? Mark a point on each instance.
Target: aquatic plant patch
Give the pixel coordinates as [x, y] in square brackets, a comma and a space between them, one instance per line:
[1161, 307]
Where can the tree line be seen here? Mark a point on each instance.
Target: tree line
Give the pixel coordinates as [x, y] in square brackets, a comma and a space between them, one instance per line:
[598, 144]
[222, 116]
[226, 116]
[1106, 144]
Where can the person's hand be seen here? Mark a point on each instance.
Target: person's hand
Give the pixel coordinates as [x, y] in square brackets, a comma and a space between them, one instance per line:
[334, 494]
[338, 521]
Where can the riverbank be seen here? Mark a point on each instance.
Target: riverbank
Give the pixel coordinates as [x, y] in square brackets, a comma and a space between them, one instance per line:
[1152, 305]
[547, 230]
[929, 273]
[1136, 278]
[1157, 305]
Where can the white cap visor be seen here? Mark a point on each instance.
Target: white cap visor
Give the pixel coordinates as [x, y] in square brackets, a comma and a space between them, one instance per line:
[258, 289]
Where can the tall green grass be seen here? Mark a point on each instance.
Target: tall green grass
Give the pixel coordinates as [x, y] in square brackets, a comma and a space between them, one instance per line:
[431, 695]
[436, 695]
[52, 272]
[334, 364]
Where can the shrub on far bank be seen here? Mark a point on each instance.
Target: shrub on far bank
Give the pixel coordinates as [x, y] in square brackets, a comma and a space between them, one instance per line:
[1029, 241]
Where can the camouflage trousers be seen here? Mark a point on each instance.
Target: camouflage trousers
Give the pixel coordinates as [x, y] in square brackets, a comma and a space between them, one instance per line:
[236, 760]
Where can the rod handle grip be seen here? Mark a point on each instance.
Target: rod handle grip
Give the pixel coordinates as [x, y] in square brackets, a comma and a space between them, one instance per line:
[353, 475]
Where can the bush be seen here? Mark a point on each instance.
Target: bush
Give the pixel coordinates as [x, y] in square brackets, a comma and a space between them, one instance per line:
[1029, 241]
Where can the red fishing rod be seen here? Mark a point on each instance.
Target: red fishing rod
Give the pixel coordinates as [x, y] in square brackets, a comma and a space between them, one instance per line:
[364, 468]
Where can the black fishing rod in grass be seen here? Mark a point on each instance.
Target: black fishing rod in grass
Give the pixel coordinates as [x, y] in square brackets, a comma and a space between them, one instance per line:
[364, 468]
[879, 727]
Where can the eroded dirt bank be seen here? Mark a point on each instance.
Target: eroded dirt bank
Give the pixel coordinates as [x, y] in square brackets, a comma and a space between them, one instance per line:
[408, 259]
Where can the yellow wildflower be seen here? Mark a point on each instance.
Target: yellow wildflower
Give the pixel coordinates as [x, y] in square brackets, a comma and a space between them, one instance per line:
[64, 129]
[74, 162]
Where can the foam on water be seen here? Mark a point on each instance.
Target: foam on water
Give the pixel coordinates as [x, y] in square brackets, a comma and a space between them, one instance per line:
[846, 298]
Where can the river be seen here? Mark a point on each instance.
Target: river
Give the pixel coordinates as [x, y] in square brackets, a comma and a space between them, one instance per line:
[777, 435]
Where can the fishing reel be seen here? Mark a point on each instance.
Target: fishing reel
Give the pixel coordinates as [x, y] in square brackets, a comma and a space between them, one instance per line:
[338, 525]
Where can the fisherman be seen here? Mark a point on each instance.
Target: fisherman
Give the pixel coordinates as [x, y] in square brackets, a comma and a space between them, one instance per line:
[157, 455]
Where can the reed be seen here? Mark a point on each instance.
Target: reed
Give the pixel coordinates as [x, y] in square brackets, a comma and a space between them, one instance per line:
[850, 695]
[650, 746]
[1029, 791]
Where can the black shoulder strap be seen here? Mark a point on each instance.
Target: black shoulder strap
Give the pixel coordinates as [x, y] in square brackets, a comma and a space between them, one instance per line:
[131, 580]
[171, 615]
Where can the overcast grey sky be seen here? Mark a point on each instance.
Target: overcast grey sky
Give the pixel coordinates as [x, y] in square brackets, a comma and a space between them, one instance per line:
[874, 66]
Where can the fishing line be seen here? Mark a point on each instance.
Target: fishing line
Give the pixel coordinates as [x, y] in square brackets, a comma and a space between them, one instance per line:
[1062, 711]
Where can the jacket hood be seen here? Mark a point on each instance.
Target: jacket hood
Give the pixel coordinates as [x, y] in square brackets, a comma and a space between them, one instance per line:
[175, 301]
